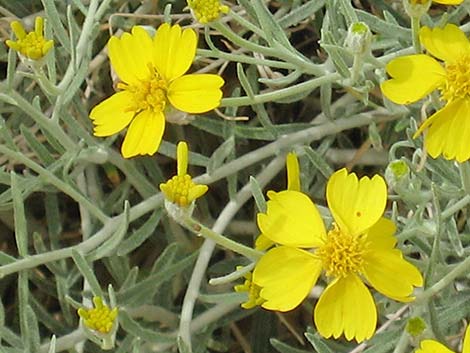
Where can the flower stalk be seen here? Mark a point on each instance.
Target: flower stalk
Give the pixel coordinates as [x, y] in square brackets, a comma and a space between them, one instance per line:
[201, 230]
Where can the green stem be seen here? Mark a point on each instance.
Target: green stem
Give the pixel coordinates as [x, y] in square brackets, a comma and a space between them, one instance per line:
[465, 176]
[403, 343]
[356, 68]
[456, 207]
[221, 240]
[281, 93]
[458, 270]
[244, 59]
[279, 52]
[435, 253]
[45, 83]
[415, 26]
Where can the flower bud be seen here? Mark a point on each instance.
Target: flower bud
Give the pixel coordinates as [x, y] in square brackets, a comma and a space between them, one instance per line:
[359, 38]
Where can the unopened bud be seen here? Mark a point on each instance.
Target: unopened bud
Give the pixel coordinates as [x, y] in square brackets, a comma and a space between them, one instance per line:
[359, 38]
[397, 173]
[415, 326]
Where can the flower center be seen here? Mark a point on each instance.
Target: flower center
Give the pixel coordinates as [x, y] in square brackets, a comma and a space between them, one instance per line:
[101, 318]
[457, 83]
[148, 94]
[207, 10]
[177, 189]
[341, 254]
[32, 45]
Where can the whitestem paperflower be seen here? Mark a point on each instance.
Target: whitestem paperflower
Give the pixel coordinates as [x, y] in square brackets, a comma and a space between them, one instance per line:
[31, 45]
[415, 76]
[180, 189]
[206, 11]
[101, 318]
[152, 73]
[432, 346]
[360, 247]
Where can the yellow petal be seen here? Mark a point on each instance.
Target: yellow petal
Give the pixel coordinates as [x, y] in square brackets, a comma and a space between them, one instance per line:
[356, 205]
[448, 43]
[18, 29]
[39, 26]
[173, 50]
[466, 341]
[196, 93]
[112, 115]
[286, 276]
[293, 172]
[431, 346]
[47, 46]
[144, 134]
[13, 45]
[449, 2]
[263, 242]
[390, 274]
[413, 77]
[131, 55]
[292, 219]
[448, 131]
[196, 192]
[381, 235]
[346, 306]
[182, 158]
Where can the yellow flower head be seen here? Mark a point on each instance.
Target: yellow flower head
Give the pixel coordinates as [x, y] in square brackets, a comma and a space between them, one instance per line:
[432, 346]
[100, 318]
[252, 290]
[415, 76]
[293, 183]
[359, 247]
[207, 11]
[181, 189]
[32, 45]
[152, 73]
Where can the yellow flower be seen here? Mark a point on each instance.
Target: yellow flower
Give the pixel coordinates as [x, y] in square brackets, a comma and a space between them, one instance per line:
[153, 78]
[100, 318]
[431, 346]
[207, 11]
[416, 76]
[32, 45]
[359, 247]
[180, 189]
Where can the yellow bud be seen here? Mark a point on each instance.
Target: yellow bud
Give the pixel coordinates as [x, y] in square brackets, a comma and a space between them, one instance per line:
[181, 189]
[207, 11]
[32, 45]
[252, 290]
[100, 318]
